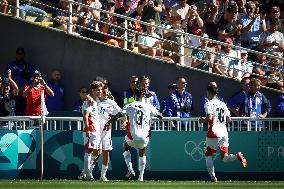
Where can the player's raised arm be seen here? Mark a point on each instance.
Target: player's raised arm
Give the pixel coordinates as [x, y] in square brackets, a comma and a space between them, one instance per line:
[114, 118]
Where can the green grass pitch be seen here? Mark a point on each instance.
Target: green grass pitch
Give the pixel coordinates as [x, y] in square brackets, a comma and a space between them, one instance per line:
[70, 184]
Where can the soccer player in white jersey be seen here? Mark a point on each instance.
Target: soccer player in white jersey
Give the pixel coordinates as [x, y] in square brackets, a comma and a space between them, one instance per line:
[92, 129]
[139, 115]
[107, 109]
[217, 118]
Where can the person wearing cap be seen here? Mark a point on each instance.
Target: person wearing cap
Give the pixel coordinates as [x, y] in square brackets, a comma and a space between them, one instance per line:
[251, 28]
[226, 58]
[32, 93]
[21, 70]
[242, 68]
[261, 66]
[7, 99]
[202, 58]
[272, 40]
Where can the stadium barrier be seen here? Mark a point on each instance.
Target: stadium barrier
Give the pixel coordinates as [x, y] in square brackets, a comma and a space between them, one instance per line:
[165, 124]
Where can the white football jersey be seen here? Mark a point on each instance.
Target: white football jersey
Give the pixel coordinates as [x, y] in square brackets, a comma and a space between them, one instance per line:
[139, 117]
[93, 118]
[107, 109]
[220, 112]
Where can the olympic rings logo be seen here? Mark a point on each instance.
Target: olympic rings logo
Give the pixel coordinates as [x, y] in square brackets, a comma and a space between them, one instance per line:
[196, 151]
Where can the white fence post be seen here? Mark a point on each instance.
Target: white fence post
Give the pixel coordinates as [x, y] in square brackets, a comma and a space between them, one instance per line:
[70, 26]
[125, 34]
[18, 8]
[181, 59]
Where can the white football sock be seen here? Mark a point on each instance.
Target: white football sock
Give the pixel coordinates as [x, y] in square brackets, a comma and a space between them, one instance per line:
[104, 170]
[87, 163]
[230, 158]
[210, 166]
[127, 158]
[142, 164]
[93, 163]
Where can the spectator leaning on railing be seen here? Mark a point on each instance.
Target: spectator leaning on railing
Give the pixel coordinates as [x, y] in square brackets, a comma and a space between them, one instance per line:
[83, 91]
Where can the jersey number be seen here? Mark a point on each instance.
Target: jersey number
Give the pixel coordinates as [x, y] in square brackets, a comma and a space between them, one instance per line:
[221, 116]
[139, 117]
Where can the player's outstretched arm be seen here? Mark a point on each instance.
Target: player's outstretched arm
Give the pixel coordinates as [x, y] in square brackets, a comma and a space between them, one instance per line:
[114, 118]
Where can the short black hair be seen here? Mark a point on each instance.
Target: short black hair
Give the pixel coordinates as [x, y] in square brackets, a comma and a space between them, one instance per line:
[138, 92]
[212, 89]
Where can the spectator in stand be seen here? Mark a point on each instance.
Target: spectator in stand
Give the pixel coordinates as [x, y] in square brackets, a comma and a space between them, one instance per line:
[22, 72]
[272, 41]
[56, 102]
[262, 66]
[193, 23]
[88, 18]
[274, 75]
[252, 26]
[127, 11]
[27, 9]
[77, 107]
[128, 95]
[229, 27]
[274, 13]
[109, 29]
[62, 17]
[226, 58]
[150, 44]
[7, 98]
[251, 104]
[199, 55]
[242, 68]
[167, 111]
[149, 96]
[150, 9]
[211, 20]
[181, 9]
[121, 3]
[32, 94]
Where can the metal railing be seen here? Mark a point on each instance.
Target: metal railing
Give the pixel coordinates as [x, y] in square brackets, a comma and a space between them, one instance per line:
[182, 45]
[165, 124]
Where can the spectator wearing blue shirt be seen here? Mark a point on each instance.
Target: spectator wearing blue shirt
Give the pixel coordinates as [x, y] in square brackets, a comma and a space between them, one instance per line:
[77, 107]
[149, 96]
[167, 102]
[55, 103]
[236, 100]
[181, 101]
[21, 70]
[280, 106]
[252, 26]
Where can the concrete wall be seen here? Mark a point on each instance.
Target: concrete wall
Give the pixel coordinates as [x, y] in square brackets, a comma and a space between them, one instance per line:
[82, 60]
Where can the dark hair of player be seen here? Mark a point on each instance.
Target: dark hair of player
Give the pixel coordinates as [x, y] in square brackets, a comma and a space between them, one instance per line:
[212, 89]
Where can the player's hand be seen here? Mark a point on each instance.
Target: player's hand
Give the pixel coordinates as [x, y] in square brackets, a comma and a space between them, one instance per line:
[159, 116]
[90, 100]
[201, 120]
[107, 127]
[123, 125]
[88, 134]
[9, 74]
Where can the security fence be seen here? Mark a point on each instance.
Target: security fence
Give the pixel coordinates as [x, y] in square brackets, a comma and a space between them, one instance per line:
[165, 124]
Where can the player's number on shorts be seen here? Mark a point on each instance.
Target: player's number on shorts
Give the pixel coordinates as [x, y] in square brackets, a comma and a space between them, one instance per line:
[139, 117]
[221, 116]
